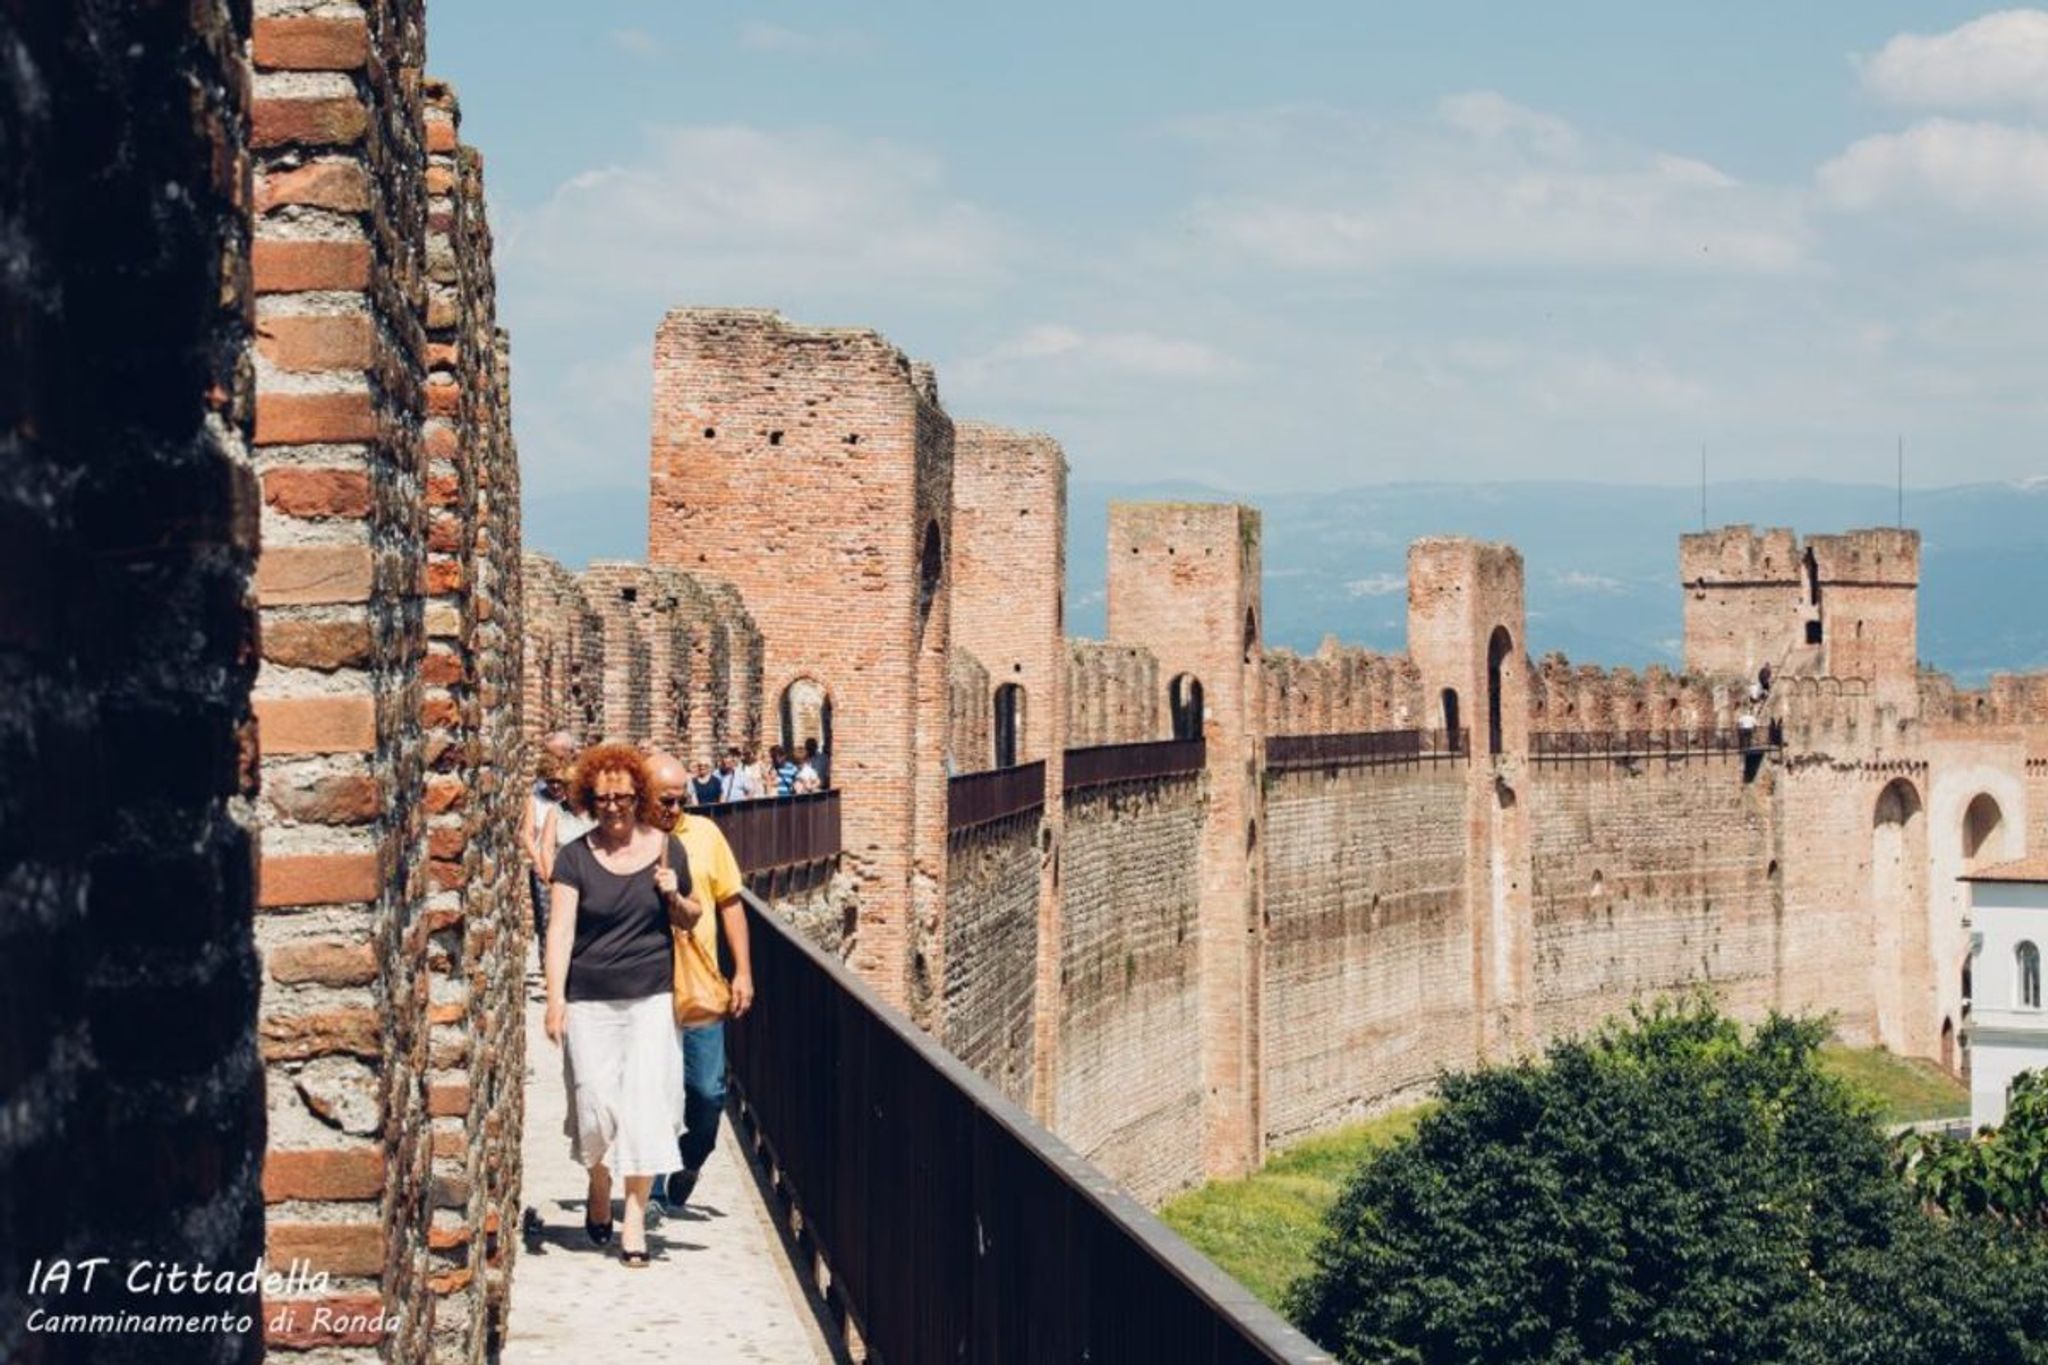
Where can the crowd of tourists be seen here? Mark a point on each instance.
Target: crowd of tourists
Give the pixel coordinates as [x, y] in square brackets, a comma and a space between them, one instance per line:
[642, 938]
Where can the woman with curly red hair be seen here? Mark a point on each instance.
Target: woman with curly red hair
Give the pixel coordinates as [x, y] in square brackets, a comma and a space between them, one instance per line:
[617, 893]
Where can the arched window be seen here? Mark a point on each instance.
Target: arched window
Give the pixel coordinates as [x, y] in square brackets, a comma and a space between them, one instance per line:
[1983, 824]
[806, 713]
[1251, 634]
[1184, 700]
[1451, 720]
[2027, 958]
[1009, 724]
[1498, 647]
[931, 570]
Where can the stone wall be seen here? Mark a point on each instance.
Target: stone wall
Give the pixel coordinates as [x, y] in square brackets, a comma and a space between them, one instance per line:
[992, 880]
[968, 716]
[1368, 955]
[1651, 876]
[128, 530]
[1341, 689]
[1129, 1092]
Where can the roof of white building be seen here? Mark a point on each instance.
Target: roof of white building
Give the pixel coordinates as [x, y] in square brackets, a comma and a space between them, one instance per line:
[2033, 869]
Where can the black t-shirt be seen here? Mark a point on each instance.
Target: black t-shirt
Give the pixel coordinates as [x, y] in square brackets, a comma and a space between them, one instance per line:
[707, 789]
[622, 931]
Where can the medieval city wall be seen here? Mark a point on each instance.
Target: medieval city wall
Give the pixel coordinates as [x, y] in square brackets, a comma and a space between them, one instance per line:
[992, 928]
[1651, 875]
[1114, 694]
[280, 295]
[1340, 689]
[1368, 963]
[1129, 1094]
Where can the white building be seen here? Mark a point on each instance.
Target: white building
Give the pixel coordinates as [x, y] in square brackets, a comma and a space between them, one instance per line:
[2007, 1030]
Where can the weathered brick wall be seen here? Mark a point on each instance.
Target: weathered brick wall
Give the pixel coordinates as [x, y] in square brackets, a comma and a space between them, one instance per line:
[128, 979]
[678, 655]
[1586, 699]
[1368, 955]
[1651, 876]
[1114, 694]
[1748, 596]
[1342, 689]
[967, 691]
[992, 926]
[339, 270]
[1869, 582]
[1129, 1094]
[827, 452]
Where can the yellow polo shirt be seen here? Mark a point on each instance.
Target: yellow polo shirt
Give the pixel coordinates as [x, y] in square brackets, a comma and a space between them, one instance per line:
[714, 874]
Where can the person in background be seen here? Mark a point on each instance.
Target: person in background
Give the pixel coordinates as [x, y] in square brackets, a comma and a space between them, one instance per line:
[763, 771]
[538, 833]
[806, 779]
[716, 876]
[820, 764]
[737, 778]
[619, 893]
[705, 787]
[783, 769]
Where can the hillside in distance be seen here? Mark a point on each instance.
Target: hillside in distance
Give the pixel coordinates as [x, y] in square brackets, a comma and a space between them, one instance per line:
[1602, 559]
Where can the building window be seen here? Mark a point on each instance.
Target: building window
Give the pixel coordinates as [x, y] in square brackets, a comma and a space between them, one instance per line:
[1009, 724]
[2028, 958]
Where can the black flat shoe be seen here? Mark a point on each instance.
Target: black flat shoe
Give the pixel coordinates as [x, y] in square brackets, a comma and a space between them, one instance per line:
[633, 1260]
[600, 1234]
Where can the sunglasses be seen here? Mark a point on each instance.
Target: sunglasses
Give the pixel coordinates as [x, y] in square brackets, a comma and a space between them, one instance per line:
[613, 799]
[670, 801]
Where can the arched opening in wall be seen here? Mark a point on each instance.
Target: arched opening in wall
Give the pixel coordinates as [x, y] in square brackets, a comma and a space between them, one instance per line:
[1983, 831]
[1251, 634]
[1009, 724]
[805, 711]
[1498, 647]
[1810, 571]
[2027, 976]
[1452, 722]
[1184, 703]
[1948, 1045]
[931, 570]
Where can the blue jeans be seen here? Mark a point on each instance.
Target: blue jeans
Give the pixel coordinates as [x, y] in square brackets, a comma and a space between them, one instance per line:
[703, 1091]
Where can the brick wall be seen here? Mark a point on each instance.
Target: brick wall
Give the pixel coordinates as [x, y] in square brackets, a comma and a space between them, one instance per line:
[827, 452]
[1651, 876]
[967, 702]
[992, 928]
[1129, 1094]
[1114, 694]
[1587, 699]
[128, 980]
[1341, 689]
[1368, 954]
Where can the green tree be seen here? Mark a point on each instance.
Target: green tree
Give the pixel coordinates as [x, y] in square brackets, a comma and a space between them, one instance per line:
[2000, 1173]
[1667, 1190]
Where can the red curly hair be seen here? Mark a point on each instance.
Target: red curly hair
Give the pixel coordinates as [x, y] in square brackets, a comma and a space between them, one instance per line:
[615, 758]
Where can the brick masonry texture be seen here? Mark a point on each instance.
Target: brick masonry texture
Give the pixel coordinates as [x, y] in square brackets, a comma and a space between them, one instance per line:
[128, 530]
[992, 900]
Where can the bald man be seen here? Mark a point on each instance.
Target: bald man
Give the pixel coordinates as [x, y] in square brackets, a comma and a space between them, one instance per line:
[712, 867]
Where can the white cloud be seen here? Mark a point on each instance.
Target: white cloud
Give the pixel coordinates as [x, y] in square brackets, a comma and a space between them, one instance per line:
[636, 42]
[1485, 183]
[735, 214]
[2000, 59]
[757, 36]
[1142, 354]
[1979, 168]
[1378, 585]
[1578, 580]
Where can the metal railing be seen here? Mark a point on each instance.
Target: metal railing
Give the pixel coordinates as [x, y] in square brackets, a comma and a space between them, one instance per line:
[1102, 765]
[778, 835]
[975, 799]
[1563, 746]
[953, 1227]
[1365, 748]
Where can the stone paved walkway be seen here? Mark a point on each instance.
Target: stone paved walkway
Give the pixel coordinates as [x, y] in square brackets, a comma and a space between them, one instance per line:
[720, 1288]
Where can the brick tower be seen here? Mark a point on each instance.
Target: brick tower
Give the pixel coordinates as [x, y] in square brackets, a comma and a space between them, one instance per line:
[1184, 583]
[812, 468]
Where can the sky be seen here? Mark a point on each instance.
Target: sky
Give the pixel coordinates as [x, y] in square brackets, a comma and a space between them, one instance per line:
[1298, 246]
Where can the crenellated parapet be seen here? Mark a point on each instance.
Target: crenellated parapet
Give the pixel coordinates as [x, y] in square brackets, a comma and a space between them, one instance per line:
[1340, 689]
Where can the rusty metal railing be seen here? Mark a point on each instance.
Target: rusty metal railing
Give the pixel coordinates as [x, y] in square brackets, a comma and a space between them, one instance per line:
[976, 799]
[1365, 749]
[1103, 765]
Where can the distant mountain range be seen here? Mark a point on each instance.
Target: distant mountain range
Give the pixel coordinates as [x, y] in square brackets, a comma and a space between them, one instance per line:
[1602, 559]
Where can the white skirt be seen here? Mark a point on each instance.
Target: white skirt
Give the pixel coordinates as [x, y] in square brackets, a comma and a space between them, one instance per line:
[622, 1066]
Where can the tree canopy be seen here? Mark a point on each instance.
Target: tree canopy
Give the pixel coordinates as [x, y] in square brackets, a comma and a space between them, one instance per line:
[1669, 1190]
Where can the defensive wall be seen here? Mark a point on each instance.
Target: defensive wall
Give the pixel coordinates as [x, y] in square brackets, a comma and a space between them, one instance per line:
[1187, 895]
[260, 668]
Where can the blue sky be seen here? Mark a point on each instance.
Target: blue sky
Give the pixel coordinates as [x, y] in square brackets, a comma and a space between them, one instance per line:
[1299, 246]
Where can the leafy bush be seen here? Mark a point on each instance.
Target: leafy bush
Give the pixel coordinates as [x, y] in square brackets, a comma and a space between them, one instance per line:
[2001, 1173]
[1668, 1190]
